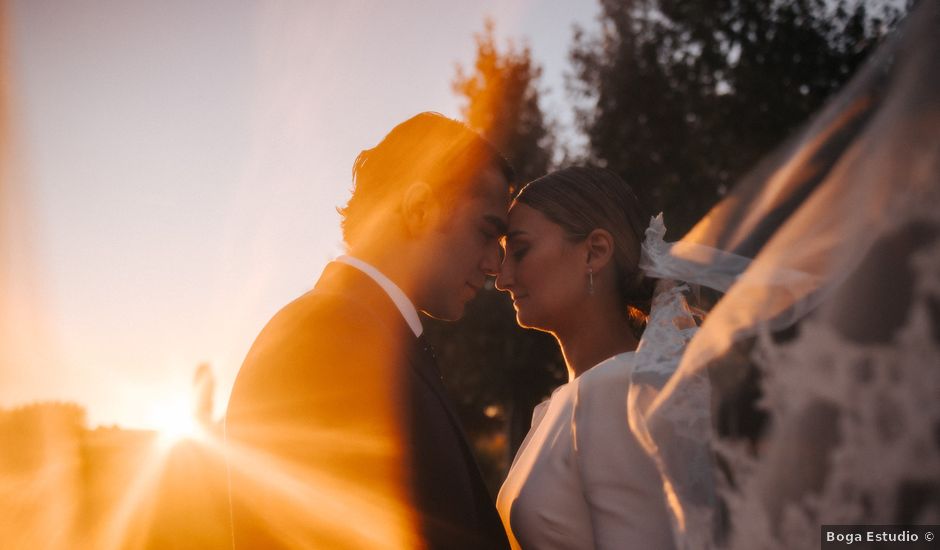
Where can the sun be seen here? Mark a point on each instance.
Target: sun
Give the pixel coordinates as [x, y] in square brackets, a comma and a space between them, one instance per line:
[174, 421]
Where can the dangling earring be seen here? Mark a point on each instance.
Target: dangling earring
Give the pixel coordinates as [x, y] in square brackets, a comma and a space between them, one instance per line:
[590, 280]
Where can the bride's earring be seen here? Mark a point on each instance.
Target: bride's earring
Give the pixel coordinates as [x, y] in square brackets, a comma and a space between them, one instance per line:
[590, 281]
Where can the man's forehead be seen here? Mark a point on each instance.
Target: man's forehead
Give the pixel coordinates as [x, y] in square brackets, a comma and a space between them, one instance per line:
[492, 190]
[498, 221]
[491, 183]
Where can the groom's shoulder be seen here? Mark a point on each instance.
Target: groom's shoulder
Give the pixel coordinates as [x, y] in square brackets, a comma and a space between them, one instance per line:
[319, 317]
[305, 342]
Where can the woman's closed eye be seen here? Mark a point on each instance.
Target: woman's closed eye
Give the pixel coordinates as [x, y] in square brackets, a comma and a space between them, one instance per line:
[518, 253]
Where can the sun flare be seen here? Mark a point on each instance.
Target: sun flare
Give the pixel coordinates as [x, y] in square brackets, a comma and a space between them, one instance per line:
[175, 421]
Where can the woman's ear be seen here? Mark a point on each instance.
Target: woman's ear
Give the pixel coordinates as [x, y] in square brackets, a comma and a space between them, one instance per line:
[420, 208]
[600, 248]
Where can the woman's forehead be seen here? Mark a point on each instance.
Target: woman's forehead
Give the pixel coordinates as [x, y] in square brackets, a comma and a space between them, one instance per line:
[525, 220]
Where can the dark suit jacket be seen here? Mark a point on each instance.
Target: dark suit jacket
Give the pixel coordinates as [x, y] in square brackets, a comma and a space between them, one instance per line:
[339, 433]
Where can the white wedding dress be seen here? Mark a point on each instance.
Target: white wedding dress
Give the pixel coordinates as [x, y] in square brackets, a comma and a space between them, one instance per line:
[580, 478]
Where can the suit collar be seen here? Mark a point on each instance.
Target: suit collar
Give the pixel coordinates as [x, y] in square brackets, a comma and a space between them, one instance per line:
[354, 286]
[398, 297]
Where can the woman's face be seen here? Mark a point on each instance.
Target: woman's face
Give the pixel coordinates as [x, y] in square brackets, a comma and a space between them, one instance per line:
[543, 270]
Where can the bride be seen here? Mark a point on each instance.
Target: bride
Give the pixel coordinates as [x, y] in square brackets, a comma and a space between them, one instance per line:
[580, 478]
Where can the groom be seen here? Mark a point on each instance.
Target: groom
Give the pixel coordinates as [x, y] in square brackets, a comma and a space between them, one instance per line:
[339, 432]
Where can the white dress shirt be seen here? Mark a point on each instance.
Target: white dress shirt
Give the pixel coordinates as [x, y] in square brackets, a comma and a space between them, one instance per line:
[404, 305]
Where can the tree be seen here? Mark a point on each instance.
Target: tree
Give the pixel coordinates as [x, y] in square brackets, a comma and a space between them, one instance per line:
[502, 103]
[681, 98]
[497, 371]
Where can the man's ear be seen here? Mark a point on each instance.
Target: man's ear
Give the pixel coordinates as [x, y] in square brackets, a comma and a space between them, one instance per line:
[420, 208]
[600, 248]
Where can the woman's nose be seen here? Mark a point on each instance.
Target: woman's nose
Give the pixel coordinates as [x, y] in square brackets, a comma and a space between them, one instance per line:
[503, 277]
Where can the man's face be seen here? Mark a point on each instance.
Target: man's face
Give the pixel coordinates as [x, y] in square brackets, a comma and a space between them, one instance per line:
[465, 247]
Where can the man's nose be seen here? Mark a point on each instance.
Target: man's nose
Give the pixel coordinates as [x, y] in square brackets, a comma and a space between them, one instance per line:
[490, 263]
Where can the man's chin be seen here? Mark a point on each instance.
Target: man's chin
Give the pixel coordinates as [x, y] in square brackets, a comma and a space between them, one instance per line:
[451, 314]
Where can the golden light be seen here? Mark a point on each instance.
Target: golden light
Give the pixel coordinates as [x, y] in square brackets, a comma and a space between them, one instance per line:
[175, 421]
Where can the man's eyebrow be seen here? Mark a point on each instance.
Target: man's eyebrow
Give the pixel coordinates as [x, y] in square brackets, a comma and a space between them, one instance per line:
[515, 234]
[496, 222]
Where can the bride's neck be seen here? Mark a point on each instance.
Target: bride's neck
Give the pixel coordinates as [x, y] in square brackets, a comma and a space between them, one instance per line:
[597, 336]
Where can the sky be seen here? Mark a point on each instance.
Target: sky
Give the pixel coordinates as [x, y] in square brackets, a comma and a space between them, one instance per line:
[178, 165]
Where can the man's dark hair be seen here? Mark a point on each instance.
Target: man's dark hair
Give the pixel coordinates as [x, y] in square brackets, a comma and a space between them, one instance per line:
[428, 147]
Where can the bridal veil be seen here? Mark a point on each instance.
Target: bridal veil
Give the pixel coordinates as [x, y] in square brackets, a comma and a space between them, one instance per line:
[810, 394]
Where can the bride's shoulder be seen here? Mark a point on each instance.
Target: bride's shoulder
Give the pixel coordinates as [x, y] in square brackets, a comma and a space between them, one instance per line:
[600, 408]
[606, 384]
[616, 369]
